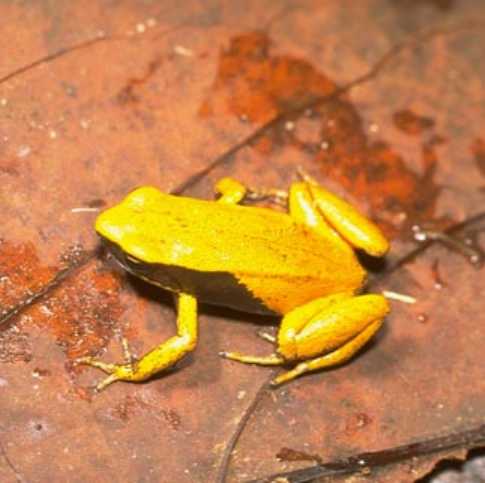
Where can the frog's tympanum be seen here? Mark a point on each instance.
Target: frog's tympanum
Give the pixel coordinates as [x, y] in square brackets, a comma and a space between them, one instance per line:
[299, 265]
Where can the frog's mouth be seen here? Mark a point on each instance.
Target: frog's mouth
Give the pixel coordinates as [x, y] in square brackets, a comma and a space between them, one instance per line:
[141, 269]
[129, 263]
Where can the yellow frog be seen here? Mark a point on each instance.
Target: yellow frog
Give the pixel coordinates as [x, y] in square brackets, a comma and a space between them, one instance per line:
[300, 265]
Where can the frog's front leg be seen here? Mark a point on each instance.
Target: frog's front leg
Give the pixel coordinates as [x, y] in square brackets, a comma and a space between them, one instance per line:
[323, 333]
[330, 215]
[159, 358]
[232, 191]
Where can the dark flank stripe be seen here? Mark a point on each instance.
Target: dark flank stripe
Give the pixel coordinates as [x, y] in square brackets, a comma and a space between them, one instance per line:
[216, 288]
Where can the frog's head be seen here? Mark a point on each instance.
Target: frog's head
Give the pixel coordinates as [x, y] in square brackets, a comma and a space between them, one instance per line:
[125, 228]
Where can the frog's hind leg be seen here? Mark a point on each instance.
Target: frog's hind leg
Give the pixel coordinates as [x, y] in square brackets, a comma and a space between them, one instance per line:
[338, 356]
[328, 331]
[334, 217]
[322, 333]
[230, 190]
[159, 358]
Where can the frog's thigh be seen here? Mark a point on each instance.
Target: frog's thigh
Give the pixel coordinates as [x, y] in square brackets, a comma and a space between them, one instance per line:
[338, 328]
[163, 356]
[310, 202]
[302, 208]
[338, 356]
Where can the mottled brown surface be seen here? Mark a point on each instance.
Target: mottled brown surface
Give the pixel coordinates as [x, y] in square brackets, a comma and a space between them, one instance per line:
[381, 100]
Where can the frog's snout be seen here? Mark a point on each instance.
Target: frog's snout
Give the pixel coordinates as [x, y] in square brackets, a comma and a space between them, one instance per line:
[108, 227]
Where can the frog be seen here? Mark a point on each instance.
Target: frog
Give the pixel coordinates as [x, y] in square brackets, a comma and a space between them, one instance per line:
[299, 263]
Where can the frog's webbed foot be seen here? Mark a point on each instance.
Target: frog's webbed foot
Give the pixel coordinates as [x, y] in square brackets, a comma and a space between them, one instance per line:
[161, 357]
[117, 372]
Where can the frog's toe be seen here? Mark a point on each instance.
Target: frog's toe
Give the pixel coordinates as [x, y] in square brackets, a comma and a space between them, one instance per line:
[91, 361]
[268, 337]
[271, 360]
[107, 381]
[289, 375]
[117, 372]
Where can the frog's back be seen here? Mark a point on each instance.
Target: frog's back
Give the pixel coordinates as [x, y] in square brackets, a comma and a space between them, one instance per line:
[264, 252]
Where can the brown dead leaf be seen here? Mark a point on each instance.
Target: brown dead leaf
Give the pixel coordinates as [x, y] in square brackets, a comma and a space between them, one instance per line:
[381, 100]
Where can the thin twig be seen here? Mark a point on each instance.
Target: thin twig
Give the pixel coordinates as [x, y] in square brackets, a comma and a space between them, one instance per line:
[51, 285]
[18, 477]
[49, 58]
[377, 459]
[242, 423]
